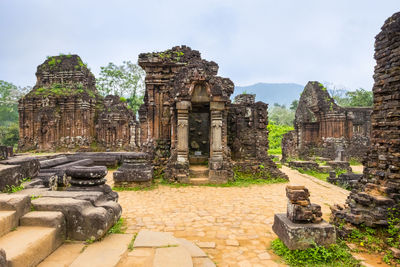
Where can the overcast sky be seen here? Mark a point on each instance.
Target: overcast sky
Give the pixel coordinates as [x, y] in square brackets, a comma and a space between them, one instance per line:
[252, 41]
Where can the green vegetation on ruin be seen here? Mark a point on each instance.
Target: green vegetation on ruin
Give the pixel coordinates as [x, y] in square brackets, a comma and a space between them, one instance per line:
[58, 89]
[378, 240]
[336, 255]
[175, 55]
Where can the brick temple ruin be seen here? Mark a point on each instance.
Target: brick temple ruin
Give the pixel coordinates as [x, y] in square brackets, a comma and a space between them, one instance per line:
[379, 189]
[188, 118]
[64, 111]
[324, 129]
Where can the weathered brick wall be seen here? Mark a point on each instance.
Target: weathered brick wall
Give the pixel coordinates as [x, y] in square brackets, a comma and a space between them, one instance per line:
[116, 126]
[248, 136]
[379, 189]
[63, 108]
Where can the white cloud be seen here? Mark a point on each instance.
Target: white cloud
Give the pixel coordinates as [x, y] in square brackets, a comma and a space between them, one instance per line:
[252, 41]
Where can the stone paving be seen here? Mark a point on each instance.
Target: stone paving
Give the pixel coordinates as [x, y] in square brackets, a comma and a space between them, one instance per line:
[233, 222]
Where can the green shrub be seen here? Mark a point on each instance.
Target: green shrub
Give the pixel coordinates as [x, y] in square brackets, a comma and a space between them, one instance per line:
[275, 136]
[336, 255]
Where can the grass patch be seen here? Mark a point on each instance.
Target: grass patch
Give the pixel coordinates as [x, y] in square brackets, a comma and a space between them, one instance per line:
[320, 175]
[241, 179]
[336, 255]
[118, 227]
[354, 162]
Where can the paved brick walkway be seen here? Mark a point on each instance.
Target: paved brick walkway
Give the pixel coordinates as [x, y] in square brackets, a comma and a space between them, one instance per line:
[237, 219]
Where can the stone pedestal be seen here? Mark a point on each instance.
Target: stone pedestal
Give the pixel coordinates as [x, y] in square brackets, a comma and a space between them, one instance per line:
[303, 235]
[302, 226]
[90, 179]
[136, 170]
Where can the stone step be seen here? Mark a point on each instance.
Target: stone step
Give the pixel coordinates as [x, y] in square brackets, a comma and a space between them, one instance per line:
[20, 203]
[28, 245]
[106, 253]
[198, 159]
[197, 171]
[199, 181]
[8, 221]
[172, 257]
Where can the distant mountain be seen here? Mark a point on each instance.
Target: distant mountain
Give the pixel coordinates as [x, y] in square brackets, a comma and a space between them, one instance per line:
[270, 93]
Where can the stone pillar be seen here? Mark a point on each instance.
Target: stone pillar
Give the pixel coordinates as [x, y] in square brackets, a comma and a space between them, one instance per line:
[216, 131]
[183, 131]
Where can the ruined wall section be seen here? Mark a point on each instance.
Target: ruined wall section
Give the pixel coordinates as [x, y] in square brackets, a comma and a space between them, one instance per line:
[116, 126]
[59, 111]
[289, 146]
[248, 137]
[379, 189]
[327, 130]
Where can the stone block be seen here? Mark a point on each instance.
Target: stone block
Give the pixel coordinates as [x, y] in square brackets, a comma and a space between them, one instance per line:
[150, 239]
[83, 219]
[303, 236]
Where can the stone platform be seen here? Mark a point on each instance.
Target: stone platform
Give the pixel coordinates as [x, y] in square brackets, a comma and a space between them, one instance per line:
[303, 235]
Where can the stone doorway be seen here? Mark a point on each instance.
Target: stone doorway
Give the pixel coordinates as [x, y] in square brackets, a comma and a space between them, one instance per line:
[199, 133]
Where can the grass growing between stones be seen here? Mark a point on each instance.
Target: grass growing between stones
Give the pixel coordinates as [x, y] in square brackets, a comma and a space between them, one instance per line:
[118, 228]
[336, 255]
[130, 246]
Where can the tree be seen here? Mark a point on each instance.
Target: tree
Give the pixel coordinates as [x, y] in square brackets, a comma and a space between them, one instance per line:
[281, 115]
[126, 80]
[294, 105]
[9, 96]
[360, 98]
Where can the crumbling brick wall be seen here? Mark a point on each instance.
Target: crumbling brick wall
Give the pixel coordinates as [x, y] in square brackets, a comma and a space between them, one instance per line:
[379, 188]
